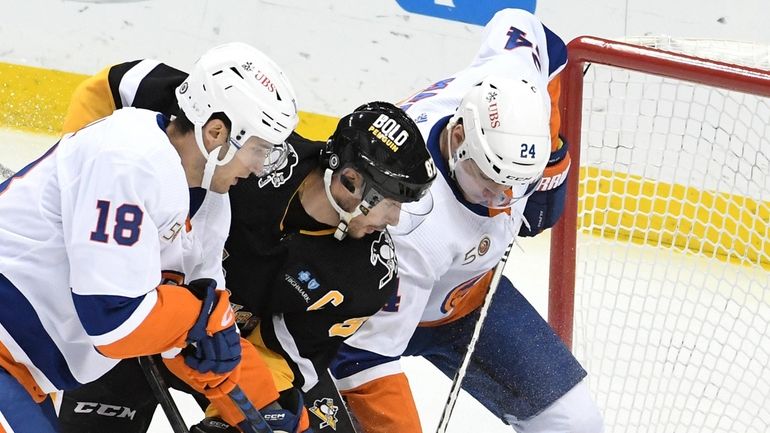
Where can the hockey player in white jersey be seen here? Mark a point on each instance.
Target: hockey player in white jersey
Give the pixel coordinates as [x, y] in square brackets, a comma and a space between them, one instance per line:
[91, 243]
[502, 170]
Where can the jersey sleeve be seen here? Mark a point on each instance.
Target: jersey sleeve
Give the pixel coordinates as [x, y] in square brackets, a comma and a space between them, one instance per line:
[389, 331]
[513, 29]
[146, 84]
[374, 350]
[115, 222]
[514, 39]
[204, 243]
[91, 100]
[367, 368]
[384, 405]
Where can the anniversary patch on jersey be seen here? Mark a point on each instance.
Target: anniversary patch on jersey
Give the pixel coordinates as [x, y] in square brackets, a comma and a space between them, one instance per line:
[484, 245]
[326, 410]
[383, 252]
[287, 159]
[173, 232]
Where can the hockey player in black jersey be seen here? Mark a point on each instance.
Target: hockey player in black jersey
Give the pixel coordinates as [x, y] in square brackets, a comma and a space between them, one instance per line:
[308, 258]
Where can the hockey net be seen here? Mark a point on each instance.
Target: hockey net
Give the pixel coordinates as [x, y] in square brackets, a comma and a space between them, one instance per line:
[665, 255]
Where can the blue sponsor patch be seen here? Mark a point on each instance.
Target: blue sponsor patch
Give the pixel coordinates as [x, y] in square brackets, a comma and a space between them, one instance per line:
[466, 11]
[304, 276]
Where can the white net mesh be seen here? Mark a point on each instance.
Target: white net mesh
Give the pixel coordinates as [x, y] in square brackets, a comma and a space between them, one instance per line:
[672, 298]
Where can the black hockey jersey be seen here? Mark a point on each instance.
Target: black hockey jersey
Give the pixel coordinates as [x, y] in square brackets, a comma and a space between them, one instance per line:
[289, 276]
[309, 290]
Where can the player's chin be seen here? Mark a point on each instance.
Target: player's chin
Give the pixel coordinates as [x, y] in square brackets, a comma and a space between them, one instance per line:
[359, 232]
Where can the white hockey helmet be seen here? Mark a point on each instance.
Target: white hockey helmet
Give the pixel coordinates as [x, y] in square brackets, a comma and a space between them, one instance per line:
[249, 88]
[507, 133]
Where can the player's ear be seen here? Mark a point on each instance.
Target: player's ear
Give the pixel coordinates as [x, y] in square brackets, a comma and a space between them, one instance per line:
[458, 134]
[215, 134]
[352, 181]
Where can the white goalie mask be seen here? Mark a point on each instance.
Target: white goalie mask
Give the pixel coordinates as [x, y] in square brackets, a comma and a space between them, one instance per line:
[507, 136]
[249, 88]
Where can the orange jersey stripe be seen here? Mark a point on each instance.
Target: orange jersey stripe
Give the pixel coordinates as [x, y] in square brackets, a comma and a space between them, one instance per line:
[21, 373]
[384, 405]
[164, 328]
[464, 299]
[554, 90]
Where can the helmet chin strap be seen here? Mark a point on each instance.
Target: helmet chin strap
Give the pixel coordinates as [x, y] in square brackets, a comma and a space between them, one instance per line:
[345, 216]
[453, 157]
[208, 172]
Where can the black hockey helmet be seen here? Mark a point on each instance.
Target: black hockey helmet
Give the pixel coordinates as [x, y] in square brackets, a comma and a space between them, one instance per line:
[383, 143]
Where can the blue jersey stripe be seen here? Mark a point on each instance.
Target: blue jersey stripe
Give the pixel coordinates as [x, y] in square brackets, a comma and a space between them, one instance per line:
[350, 360]
[197, 195]
[557, 51]
[101, 314]
[27, 168]
[20, 319]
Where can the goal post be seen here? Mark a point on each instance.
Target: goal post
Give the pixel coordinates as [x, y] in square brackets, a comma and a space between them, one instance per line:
[660, 265]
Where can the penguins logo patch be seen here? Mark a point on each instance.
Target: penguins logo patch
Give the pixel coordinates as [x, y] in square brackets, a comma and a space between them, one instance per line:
[285, 157]
[382, 251]
[326, 411]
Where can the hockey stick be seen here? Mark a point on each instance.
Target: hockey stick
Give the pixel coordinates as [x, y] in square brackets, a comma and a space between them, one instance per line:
[253, 417]
[178, 425]
[160, 389]
[454, 392]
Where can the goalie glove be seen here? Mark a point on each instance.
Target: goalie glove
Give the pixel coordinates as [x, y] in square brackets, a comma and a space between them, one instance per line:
[546, 204]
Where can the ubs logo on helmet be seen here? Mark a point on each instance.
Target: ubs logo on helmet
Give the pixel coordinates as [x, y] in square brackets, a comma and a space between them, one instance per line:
[389, 131]
[265, 81]
[493, 112]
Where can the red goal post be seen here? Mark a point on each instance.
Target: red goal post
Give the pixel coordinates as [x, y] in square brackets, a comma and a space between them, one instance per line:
[586, 50]
[660, 265]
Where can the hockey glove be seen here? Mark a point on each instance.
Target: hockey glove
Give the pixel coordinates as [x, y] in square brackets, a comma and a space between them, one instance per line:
[212, 385]
[545, 205]
[291, 416]
[213, 341]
